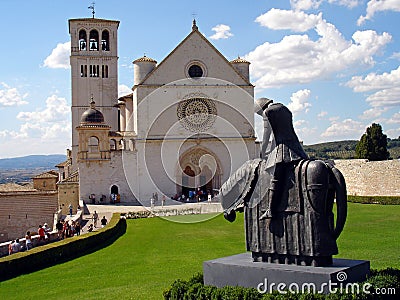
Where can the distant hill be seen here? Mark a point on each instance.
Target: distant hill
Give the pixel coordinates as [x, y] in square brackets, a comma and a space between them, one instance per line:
[345, 149]
[32, 162]
[332, 150]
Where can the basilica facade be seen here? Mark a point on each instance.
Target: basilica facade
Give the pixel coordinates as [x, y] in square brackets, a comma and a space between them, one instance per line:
[187, 125]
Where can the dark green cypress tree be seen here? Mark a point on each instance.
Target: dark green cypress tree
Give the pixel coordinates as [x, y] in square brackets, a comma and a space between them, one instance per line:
[373, 144]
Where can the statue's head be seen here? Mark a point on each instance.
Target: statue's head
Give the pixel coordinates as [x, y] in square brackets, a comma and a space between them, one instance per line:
[261, 104]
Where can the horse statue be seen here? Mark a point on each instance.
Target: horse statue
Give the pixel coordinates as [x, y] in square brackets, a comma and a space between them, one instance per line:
[287, 199]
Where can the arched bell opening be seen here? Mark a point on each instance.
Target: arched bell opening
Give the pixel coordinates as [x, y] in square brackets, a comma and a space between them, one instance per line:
[94, 40]
[82, 40]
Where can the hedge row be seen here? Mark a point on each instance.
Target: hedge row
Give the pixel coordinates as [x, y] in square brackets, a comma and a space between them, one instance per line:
[51, 254]
[384, 200]
[137, 215]
[194, 289]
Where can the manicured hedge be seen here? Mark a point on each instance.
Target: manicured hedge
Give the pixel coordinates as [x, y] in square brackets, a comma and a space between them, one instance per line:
[137, 215]
[57, 252]
[194, 289]
[384, 200]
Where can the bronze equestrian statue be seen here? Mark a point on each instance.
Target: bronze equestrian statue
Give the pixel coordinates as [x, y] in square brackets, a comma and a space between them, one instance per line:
[287, 198]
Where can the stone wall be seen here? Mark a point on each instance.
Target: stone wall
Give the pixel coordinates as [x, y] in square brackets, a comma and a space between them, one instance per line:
[45, 184]
[371, 178]
[23, 211]
[68, 193]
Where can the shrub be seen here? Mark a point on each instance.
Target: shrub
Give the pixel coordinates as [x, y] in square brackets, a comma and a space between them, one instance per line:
[384, 200]
[57, 252]
[137, 215]
[195, 289]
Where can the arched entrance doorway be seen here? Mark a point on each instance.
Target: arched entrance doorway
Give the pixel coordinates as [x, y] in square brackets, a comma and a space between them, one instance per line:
[114, 190]
[114, 197]
[199, 170]
[188, 181]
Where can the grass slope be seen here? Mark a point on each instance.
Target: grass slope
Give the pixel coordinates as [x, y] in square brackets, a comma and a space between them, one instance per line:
[155, 252]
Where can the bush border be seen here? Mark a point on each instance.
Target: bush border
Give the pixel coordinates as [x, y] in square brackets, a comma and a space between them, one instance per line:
[383, 200]
[194, 289]
[51, 254]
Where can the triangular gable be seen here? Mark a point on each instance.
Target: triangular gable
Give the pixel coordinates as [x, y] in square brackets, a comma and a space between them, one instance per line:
[194, 47]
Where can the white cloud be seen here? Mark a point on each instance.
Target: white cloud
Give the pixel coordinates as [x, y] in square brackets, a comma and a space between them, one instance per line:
[375, 81]
[334, 119]
[395, 55]
[375, 6]
[222, 31]
[296, 21]
[123, 90]
[56, 109]
[46, 130]
[393, 133]
[59, 57]
[395, 119]
[346, 3]
[304, 130]
[322, 114]
[385, 85]
[313, 4]
[298, 101]
[10, 96]
[51, 122]
[305, 4]
[372, 113]
[346, 129]
[385, 98]
[298, 59]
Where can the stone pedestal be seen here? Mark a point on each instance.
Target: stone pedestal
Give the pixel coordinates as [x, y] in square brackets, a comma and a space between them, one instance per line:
[240, 270]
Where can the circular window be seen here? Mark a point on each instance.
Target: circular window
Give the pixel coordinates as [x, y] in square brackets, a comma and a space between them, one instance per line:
[195, 71]
[197, 114]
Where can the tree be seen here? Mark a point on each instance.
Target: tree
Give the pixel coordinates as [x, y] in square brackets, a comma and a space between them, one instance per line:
[373, 144]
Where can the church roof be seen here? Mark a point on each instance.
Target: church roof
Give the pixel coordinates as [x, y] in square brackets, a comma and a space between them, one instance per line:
[145, 59]
[239, 61]
[14, 187]
[48, 174]
[64, 164]
[126, 97]
[91, 20]
[195, 30]
[92, 115]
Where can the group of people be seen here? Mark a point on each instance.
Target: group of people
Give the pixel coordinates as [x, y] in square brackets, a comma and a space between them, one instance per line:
[64, 228]
[16, 246]
[95, 218]
[194, 195]
[114, 198]
[68, 228]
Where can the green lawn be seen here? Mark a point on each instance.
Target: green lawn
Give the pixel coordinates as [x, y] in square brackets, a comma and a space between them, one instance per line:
[154, 252]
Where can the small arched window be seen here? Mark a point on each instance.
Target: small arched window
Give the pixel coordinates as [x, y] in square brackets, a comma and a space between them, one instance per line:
[94, 144]
[94, 40]
[82, 40]
[105, 40]
[113, 144]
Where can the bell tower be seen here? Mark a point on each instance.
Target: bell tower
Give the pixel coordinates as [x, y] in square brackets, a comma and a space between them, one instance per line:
[94, 71]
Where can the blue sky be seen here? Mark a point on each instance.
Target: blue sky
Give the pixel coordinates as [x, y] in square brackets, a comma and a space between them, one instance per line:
[335, 63]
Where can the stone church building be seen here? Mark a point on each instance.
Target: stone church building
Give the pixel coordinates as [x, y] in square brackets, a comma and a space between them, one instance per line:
[187, 124]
